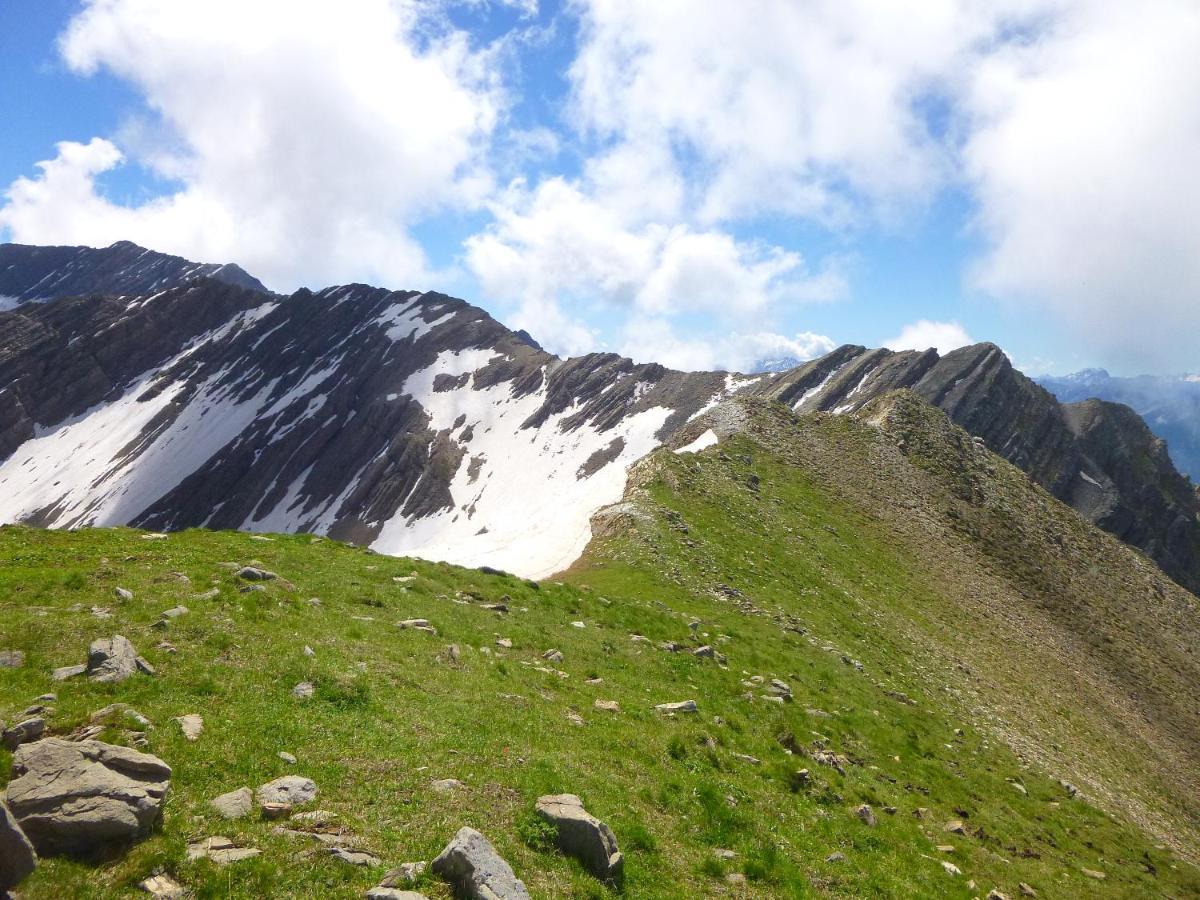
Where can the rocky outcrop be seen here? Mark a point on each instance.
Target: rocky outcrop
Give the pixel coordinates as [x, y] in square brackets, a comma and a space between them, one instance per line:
[582, 835]
[17, 856]
[471, 864]
[76, 797]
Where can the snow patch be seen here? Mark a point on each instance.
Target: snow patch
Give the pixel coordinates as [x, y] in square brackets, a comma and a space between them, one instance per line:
[707, 439]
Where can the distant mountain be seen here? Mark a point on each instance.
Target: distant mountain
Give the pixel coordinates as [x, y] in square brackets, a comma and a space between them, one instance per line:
[1170, 404]
[775, 364]
[176, 394]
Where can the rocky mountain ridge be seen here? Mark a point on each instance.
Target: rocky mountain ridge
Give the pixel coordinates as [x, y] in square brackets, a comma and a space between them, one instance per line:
[166, 396]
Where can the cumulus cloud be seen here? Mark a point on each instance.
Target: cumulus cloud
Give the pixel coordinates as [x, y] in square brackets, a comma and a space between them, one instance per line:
[302, 145]
[656, 340]
[923, 334]
[1082, 155]
[556, 251]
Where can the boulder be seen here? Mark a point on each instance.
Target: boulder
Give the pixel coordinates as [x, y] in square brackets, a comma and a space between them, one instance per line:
[290, 789]
[111, 660]
[17, 858]
[235, 804]
[582, 835]
[74, 797]
[23, 733]
[472, 865]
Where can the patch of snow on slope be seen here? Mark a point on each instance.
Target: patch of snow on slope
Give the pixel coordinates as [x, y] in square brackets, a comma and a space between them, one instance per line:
[406, 319]
[707, 439]
[814, 391]
[8, 303]
[526, 510]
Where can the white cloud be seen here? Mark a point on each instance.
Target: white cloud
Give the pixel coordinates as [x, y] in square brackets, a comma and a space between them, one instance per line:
[923, 334]
[1083, 157]
[657, 340]
[305, 143]
[555, 254]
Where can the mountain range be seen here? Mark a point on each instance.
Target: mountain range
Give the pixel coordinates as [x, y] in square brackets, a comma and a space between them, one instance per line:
[1170, 405]
[167, 394]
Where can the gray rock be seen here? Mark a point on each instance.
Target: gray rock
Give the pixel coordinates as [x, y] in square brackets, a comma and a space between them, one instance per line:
[64, 672]
[866, 814]
[554, 656]
[235, 804]
[582, 835]
[17, 857]
[471, 864]
[12, 659]
[220, 850]
[250, 573]
[174, 612]
[111, 660]
[124, 594]
[353, 857]
[685, 706]
[290, 789]
[163, 887]
[445, 785]
[74, 797]
[23, 733]
[192, 726]
[287, 757]
[607, 705]
[304, 690]
[405, 873]
[387, 893]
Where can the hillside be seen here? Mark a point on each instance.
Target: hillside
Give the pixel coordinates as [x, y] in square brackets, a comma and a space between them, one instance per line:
[155, 392]
[954, 640]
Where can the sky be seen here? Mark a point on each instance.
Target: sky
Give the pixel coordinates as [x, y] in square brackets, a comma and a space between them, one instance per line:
[707, 185]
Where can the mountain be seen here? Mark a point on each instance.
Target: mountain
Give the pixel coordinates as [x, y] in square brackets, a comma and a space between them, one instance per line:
[31, 274]
[416, 423]
[1170, 405]
[915, 673]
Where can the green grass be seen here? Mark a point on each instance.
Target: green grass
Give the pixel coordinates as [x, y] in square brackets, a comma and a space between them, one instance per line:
[391, 712]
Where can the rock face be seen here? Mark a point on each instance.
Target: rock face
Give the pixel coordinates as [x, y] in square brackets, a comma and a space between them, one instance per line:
[17, 857]
[359, 412]
[472, 865]
[74, 797]
[582, 835]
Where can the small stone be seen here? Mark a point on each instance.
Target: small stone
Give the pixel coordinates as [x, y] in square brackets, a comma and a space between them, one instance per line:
[250, 573]
[387, 893]
[413, 623]
[163, 887]
[495, 607]
[1092, 873]
[220, 850]
[445, 785]
[318, 818]
[23, 733]
[472, 865]
[684, 706]
[722, 853]
[192, 726]
[505, 643]
[735, 878]
[945, 848]
[747, 758]
[575, 718]
[405, 873]
[920, 812]
[1019, 788]
[309, 651]
[951, 868]
[554, 656]
[274, 811]
[994, 894]
[12, 659]
[175, 612]
[235, 804]
[607, 705]
[1026, 890]
[865, 813]
[353, 857]
[123, 594]
[956, 827]
[290, 789]
[304, 690]
[835, 857]
[287, 757]
[578, 625]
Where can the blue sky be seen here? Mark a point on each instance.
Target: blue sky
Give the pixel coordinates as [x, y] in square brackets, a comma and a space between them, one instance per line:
[703, 185]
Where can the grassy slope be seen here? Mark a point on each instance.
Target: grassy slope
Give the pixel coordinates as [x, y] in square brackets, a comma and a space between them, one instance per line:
[387, 705]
